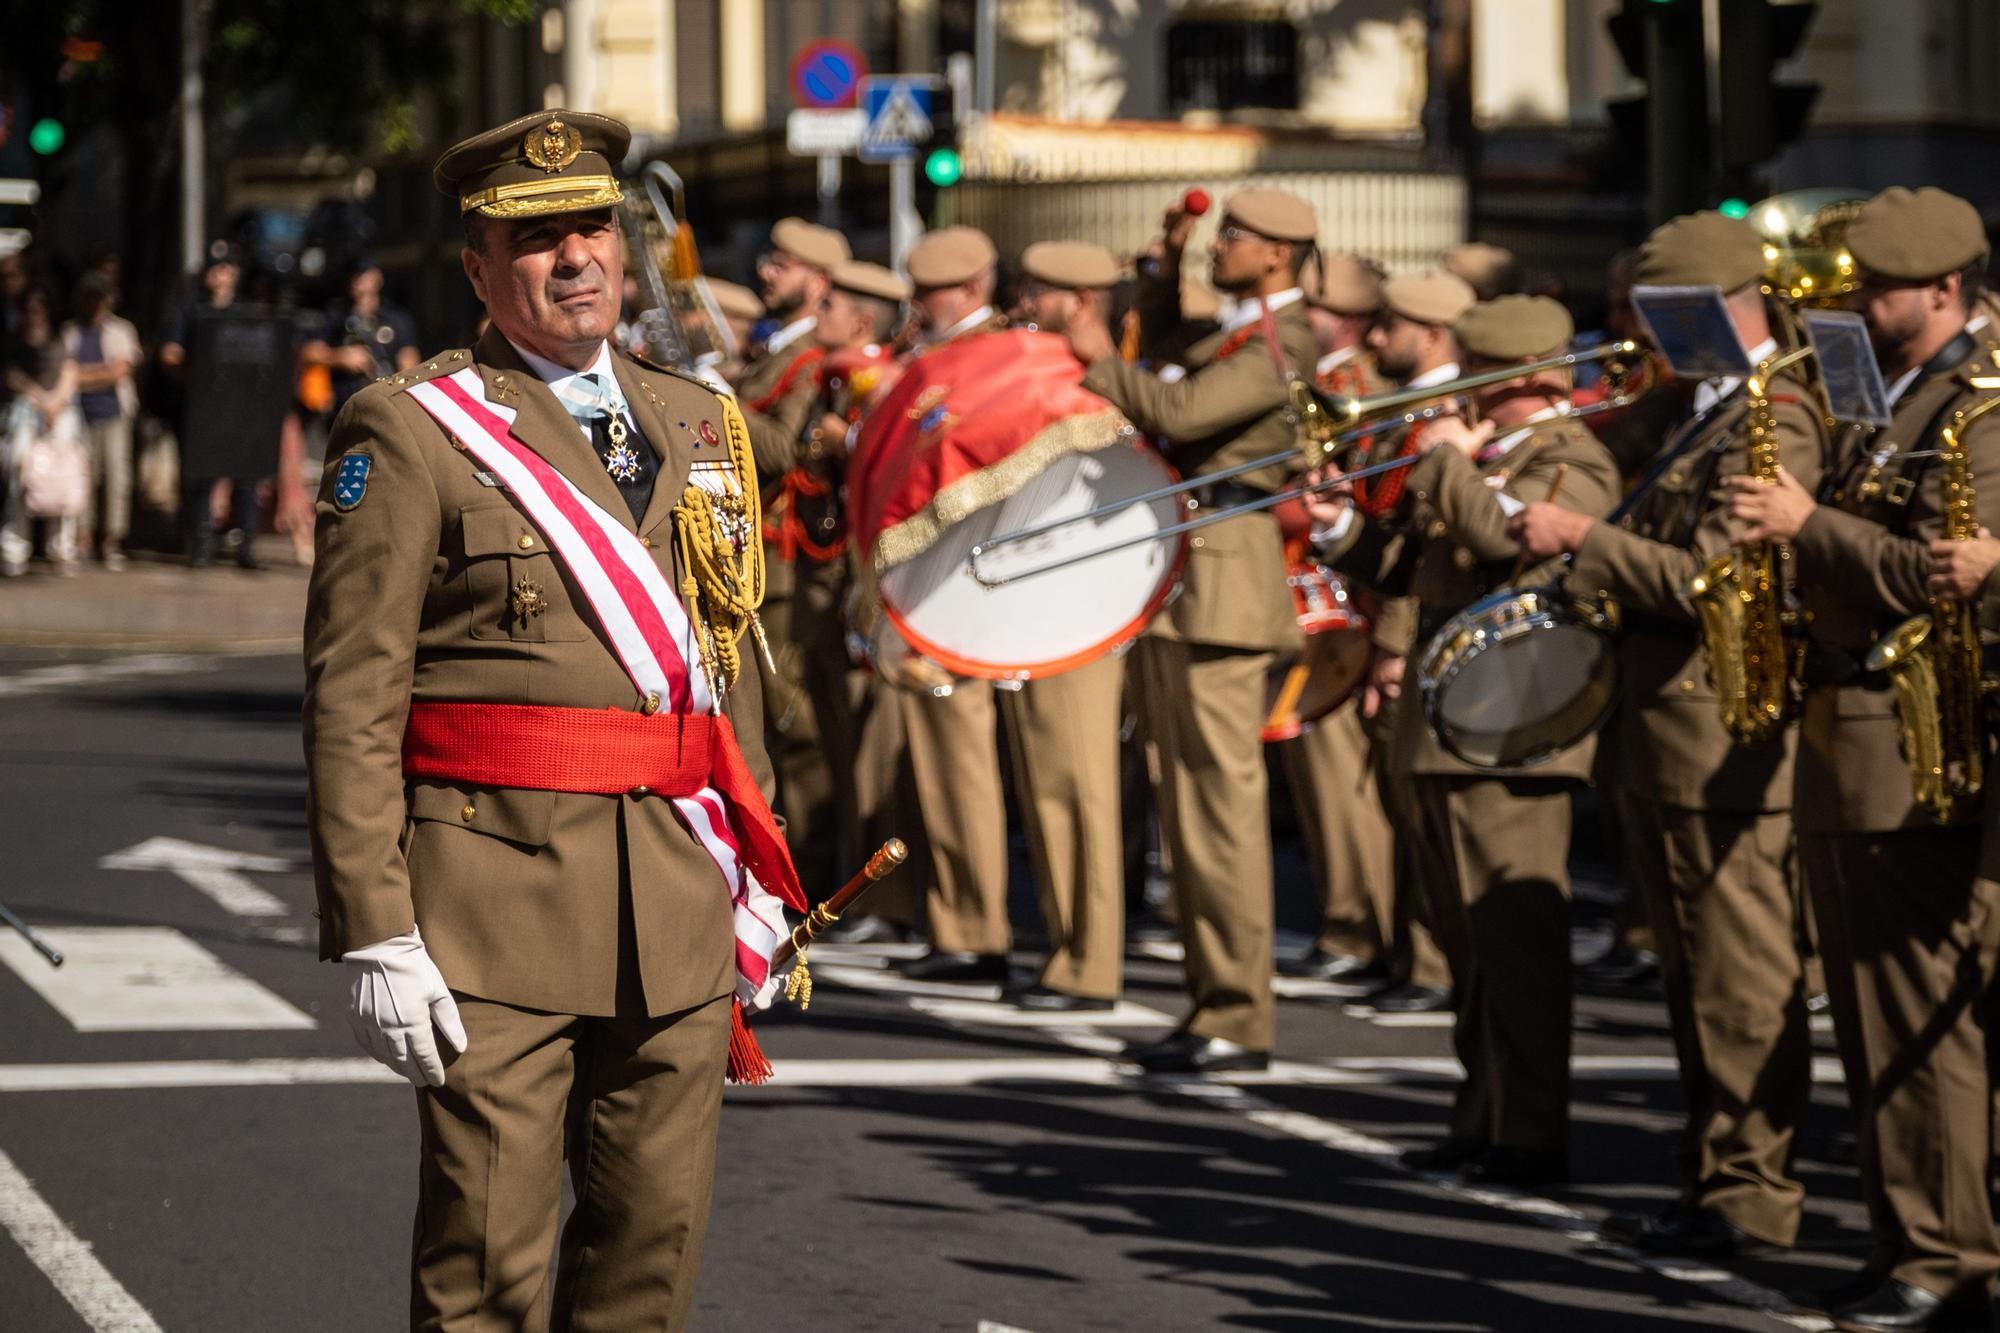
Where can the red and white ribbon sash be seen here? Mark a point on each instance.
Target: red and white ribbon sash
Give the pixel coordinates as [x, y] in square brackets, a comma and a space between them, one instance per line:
[648, 627]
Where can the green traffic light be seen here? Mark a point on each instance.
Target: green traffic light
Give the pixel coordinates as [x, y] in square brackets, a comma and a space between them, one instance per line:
[1733, 208]
[46, 137]
[943, 167]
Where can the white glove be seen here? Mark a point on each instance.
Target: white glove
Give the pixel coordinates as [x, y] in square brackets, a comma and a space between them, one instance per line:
[395, 995]
[756, 999]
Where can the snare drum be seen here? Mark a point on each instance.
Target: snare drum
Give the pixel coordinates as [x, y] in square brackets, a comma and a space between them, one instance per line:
[1518, 677]
[1307, 685]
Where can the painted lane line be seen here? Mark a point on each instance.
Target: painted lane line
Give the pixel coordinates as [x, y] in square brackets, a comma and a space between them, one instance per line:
[42, 679]
[146, 979]
[859, 978]
[217, 872]
[998, 1013]
[65, 1259]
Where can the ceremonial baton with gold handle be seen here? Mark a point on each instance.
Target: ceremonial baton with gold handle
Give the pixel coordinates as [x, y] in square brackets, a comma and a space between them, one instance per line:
[798, 986]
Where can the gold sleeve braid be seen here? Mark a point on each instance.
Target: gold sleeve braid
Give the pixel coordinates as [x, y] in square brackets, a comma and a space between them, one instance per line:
[722, 552]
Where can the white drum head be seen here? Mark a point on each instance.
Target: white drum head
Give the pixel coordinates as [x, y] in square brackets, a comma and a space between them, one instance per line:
[1524, 698]
[1042, 623]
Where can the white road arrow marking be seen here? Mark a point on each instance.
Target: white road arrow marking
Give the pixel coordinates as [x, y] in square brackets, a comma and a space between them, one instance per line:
[215, 871]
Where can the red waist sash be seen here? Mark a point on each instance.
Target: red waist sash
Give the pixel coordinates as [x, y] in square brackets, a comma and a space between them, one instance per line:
[602, 751]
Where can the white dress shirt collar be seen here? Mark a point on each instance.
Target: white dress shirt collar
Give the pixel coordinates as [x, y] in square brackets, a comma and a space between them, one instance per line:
[790, 334]
[966, 325]
[1435, 375]
[1245, 311]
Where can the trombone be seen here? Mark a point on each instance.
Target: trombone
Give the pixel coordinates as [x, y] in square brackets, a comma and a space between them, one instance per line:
[682, 325]
[1343, 420]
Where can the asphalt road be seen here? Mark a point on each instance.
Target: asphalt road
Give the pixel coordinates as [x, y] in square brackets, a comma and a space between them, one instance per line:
[924, 1160]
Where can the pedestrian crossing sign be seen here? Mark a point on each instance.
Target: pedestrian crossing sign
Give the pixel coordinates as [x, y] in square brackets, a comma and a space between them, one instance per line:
[898, 111]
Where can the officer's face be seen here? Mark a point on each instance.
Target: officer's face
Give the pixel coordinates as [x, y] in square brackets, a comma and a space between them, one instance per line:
[840, 320]
[784, 279]
[1398, 344]
[551, 283]
[1897, 313]
[1048, 308]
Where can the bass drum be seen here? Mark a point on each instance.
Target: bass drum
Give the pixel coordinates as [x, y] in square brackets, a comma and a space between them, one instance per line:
[1307, 685]
[1041, 623]
[1518, 677]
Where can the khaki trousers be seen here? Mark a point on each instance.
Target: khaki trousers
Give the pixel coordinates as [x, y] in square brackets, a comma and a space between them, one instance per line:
[885, 796]
[1063, 732]
[1908, 930]
[633, 1105]
[791, 736]
[818, 635]
[1719, 887]
[1505, 843]
[1206, 707]
[954, 753]
[1348, 839]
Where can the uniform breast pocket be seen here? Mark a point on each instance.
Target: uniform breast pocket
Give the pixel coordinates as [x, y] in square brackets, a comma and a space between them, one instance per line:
[513, 588]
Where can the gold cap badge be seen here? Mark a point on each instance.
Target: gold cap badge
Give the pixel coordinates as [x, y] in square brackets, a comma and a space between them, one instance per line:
[553, 146]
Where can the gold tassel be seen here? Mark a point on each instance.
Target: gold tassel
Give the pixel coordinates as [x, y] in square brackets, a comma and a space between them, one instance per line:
[799, 984]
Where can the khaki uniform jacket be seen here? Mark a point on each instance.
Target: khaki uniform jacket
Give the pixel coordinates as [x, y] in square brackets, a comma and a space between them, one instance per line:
[1863, 562]
[1224, 412]
[1454, 550]
[777, 434]
[517, 891]
[1667, 734]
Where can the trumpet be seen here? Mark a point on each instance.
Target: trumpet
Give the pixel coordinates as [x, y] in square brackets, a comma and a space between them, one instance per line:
[1329, 423]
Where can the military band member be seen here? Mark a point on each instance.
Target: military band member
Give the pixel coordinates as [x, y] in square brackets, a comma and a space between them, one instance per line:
[1204, 662]
[778, 388]
[1501, 837]
[1063, 729]
[1908, 925]
[1704, 822]
[1490, 270]
[741, 309]
[547, 962]
[1331, 768]
[950, 725]
[1415, 348]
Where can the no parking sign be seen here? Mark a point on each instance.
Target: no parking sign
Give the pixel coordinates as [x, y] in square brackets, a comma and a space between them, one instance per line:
[827, 73]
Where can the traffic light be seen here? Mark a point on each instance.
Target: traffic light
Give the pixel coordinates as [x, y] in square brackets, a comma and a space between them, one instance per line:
[1661, 44]
[1759, 115]
[942, 167]
[46, 136]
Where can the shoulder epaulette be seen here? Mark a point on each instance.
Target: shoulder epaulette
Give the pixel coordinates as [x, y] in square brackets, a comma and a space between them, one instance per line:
[647, 363]
[444, 363]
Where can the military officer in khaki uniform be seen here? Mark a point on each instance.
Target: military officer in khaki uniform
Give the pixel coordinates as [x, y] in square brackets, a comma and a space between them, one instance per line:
[1908, 926]
[1414, 346]
[1204, 662]
[950, 724]
[1704, 822]
[778, 388]
[574, 950]
[1331, 767]
[1490, 270]
[1501, 836]
[1063, 729]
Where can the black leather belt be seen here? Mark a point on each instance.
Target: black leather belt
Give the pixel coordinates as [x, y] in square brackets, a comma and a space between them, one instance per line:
[1226, 494]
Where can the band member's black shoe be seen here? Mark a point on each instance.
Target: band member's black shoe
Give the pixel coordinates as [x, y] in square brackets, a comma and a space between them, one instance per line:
[1677, 1229]
[1621, 968]
[1448, 1154]
[938, 965]
[1501, 1165]
[1046, 1000]
[1325, 965]
[1898, 1305]
[1185, 1053]
[1409, 998]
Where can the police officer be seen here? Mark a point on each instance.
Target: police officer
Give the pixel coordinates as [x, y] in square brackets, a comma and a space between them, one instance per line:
[549, 966]
[1908, 927]
[1704, 822]
[1499, 837]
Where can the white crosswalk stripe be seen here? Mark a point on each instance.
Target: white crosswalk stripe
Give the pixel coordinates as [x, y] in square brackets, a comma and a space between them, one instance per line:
[145, 979]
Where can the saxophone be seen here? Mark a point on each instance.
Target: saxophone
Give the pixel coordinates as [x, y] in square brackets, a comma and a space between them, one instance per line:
[1740, 598]
[1934, 660]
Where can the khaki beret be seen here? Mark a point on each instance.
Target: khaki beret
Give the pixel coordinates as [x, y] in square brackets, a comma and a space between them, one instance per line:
[1915, 235]
[1070, 264]
[1199, 301]
[822, 247]
[735, 299]
[1514, 328]
[1490, 270]
[549, 162]
[950, 256]
[863, 279]
[1278, 214]
[1700, 250]
[1347, 286]
[1430, 297]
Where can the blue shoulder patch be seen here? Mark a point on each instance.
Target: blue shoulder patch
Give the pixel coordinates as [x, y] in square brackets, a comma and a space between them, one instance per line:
[350, 480]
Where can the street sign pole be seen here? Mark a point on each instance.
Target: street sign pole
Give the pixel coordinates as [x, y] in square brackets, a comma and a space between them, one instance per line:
[829, 190]
[905, 223]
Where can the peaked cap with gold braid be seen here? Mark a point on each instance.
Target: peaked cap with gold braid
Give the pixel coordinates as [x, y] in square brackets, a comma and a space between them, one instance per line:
[549, 162]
